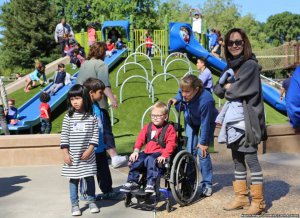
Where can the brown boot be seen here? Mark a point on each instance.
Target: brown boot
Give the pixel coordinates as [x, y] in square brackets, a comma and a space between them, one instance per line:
[241, 199]
[258, 205]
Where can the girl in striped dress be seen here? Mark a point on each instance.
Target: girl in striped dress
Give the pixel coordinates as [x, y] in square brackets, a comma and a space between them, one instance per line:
[79, 136]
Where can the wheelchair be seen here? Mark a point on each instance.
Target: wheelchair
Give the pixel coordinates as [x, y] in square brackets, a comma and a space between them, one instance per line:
[181, 178]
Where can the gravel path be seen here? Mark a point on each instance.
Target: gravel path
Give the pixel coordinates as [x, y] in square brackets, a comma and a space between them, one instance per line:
[282, 188]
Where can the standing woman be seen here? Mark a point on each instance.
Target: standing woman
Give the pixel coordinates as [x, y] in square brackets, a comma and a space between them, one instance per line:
[95, 67]
[247, 90]
[199, 123]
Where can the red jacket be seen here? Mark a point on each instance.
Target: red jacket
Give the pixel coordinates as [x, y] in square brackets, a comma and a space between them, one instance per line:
[152, 146]
[149, 45]
[110, 47]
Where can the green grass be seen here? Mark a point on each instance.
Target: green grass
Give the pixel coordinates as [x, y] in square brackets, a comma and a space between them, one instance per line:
[127, 118]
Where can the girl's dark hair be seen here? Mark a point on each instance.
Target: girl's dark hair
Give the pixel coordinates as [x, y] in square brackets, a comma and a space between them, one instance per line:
[80, 90]
[191, 81]
[44, 97]
[97, 51]
[61, 65]
[247, 51]
[93, 84]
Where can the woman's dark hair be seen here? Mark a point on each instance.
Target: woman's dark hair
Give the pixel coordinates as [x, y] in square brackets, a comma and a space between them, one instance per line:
[247, 50]
[44, 97]
[80, 90]
[97, 51]
[191, 81]
[93, 84]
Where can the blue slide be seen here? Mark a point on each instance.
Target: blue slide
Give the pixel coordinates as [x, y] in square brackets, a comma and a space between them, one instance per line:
[29, 113]
[270, 94]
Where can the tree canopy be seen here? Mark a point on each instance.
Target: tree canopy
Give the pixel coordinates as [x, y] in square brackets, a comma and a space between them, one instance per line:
[28, 25]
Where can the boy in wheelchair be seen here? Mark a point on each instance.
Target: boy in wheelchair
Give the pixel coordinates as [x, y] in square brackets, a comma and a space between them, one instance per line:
[159, 138]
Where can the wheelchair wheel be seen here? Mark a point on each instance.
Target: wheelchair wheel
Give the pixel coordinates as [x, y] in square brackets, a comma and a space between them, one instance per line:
[184, 178]
[127, 199]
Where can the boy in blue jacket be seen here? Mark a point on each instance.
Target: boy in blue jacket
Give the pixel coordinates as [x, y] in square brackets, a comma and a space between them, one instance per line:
[96, 87]
[200, 114]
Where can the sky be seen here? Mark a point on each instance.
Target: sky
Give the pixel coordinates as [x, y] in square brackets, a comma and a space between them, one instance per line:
[260, 9]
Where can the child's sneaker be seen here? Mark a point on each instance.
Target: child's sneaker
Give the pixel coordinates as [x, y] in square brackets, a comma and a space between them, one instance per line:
[130, 187]
[118, 161]
[93, 208]
[149, 189]
[75, 210]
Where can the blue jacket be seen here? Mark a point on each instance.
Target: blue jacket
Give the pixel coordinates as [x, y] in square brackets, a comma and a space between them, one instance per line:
[99, 115]
[200, 111]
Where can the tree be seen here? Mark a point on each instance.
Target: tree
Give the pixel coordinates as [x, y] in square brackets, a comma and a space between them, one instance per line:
[220, 14]
[176, 11]
[28, 32]
[144, 12]
[283, 27]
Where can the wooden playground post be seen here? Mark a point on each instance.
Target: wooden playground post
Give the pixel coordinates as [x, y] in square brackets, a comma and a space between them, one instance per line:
[166, 21]
[131, 46]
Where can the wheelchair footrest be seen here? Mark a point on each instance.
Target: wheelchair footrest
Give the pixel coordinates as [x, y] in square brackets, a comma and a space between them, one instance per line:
[142, 193]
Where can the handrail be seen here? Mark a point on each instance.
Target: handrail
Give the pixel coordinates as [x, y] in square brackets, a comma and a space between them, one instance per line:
[270, 80]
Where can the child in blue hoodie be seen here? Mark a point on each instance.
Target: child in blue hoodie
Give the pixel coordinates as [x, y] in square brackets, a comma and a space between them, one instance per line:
[96, 87]
[200, 114]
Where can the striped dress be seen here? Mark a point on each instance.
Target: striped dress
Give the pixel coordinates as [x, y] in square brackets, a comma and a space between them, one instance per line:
[77, 135]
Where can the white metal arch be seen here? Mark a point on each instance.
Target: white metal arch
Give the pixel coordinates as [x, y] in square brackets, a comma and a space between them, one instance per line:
[158, 75]
[129, 78]
[117, 76]
[156, 46]
[149, 108]
[177, 53]
[139, 53]
[172, 61]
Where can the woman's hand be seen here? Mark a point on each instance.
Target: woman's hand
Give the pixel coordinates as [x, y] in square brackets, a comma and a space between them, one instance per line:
[203, 148]
[134, 156]
[172, 101]
[227, 86]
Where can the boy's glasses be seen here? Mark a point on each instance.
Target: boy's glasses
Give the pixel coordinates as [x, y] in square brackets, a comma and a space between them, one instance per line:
[155, 116]
[236, 42]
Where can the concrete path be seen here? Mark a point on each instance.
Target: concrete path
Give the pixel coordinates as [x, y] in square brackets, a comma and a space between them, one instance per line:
[40, 192]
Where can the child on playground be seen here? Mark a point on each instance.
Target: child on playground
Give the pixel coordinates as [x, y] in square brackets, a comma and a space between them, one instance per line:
[79, 137]
[185, 34]
[45, 113]
[33, 77]
[76, 59]
[95, 88]
[110, 46]
[153, 152]
[149, 42]
[120, 44]
[58, 80]
[12, 113]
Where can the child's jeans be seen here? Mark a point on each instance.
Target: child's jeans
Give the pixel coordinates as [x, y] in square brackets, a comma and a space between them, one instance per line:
[73, 185]
[103, 173]
[148, 51]
[147, 161]
[46, 125]
[54, 88]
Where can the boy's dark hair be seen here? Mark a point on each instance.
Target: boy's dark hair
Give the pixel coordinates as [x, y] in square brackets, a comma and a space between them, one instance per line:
[81, 91]
[76, 51]
[93, 84]
[44, 97]
[61, 65]
[202, 59]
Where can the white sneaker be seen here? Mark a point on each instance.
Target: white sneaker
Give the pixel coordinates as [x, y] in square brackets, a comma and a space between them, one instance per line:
[118, 161]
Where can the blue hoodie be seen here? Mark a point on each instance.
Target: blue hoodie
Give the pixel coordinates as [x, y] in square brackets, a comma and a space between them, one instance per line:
[99, 115]
[200, 111]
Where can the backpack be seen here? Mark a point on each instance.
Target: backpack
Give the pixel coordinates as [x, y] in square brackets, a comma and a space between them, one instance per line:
[161, 137]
